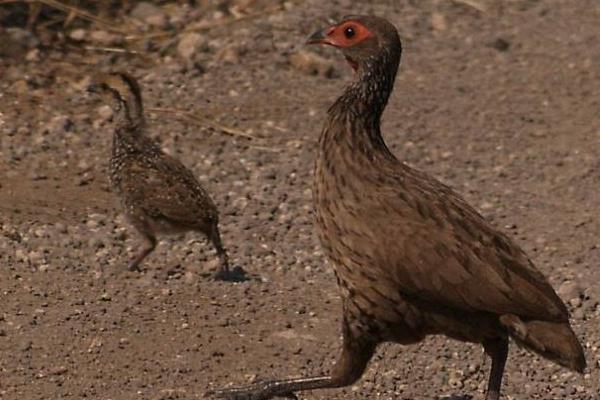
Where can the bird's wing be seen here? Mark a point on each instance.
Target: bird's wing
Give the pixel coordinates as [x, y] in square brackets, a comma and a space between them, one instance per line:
[441, 251]
[164, 189]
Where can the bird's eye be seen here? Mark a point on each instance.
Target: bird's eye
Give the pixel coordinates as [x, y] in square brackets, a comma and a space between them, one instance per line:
[349, 32]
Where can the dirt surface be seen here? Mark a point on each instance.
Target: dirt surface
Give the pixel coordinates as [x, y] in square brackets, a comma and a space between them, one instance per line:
[499, 101]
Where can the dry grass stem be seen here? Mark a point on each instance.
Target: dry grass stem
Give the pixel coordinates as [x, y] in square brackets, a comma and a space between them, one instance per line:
[71, 11]
[477, 5]
[203, 121]
[204, 26]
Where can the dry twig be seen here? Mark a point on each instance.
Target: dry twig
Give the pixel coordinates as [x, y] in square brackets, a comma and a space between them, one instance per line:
[203, 121]
[71, 12]
[112, 50]
[204, 26]
[476, 4]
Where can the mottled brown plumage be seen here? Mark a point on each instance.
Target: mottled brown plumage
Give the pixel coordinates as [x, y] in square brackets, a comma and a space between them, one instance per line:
[158, 193]
[412, 258]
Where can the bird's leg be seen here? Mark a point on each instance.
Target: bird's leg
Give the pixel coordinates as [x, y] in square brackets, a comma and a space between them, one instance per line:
[151, 241]
[33, 14]
[497, 349]
[356, 353]
[215, 238]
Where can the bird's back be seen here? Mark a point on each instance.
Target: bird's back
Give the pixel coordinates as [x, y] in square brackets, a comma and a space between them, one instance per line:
[389, 223]
[160, 186]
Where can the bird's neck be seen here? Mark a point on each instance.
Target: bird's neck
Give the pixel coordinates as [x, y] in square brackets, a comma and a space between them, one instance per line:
[355, 117]
[129, 135]
[130, 113]
[129, 117]
[368, 95]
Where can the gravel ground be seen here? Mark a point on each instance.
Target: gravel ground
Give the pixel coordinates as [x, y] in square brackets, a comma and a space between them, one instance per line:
[498, 101]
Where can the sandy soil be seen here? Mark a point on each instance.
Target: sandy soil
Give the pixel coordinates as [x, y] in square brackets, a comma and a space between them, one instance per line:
[500, 103]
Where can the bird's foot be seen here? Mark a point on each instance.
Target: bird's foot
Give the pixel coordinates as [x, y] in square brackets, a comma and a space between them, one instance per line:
[134, 266]
[257, 391]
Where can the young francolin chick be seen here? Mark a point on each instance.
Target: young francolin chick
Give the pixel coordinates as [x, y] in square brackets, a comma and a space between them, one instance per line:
[158, 193]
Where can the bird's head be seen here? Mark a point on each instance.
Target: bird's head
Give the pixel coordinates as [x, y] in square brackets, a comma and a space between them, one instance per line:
[121, 91]
[360, 38]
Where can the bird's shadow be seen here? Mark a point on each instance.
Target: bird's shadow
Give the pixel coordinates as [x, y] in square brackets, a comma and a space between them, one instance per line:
[236, 274]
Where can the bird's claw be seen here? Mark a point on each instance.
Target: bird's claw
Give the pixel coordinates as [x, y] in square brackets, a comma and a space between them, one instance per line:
[133, 267]
[222, 275]
[232, 394]
[257, 391]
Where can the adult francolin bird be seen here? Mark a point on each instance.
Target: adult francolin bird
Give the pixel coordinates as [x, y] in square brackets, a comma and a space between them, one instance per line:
[158, 193]
[411, 257]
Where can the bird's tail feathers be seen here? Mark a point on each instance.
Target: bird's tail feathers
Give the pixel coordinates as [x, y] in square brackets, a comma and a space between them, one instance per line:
[555, 341]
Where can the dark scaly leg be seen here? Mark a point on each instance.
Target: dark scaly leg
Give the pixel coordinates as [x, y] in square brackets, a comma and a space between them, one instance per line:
[215, 237]
[150, 246]
[497, 349]
[357, 350]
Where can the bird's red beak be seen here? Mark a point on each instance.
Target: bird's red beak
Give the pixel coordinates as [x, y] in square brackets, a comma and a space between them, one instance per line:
[322, 37]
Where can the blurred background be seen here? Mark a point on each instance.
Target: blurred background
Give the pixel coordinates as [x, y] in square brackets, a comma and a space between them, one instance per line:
[498, 99]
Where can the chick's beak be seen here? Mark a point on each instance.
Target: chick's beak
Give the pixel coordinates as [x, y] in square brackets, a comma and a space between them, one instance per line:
[321, 37]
